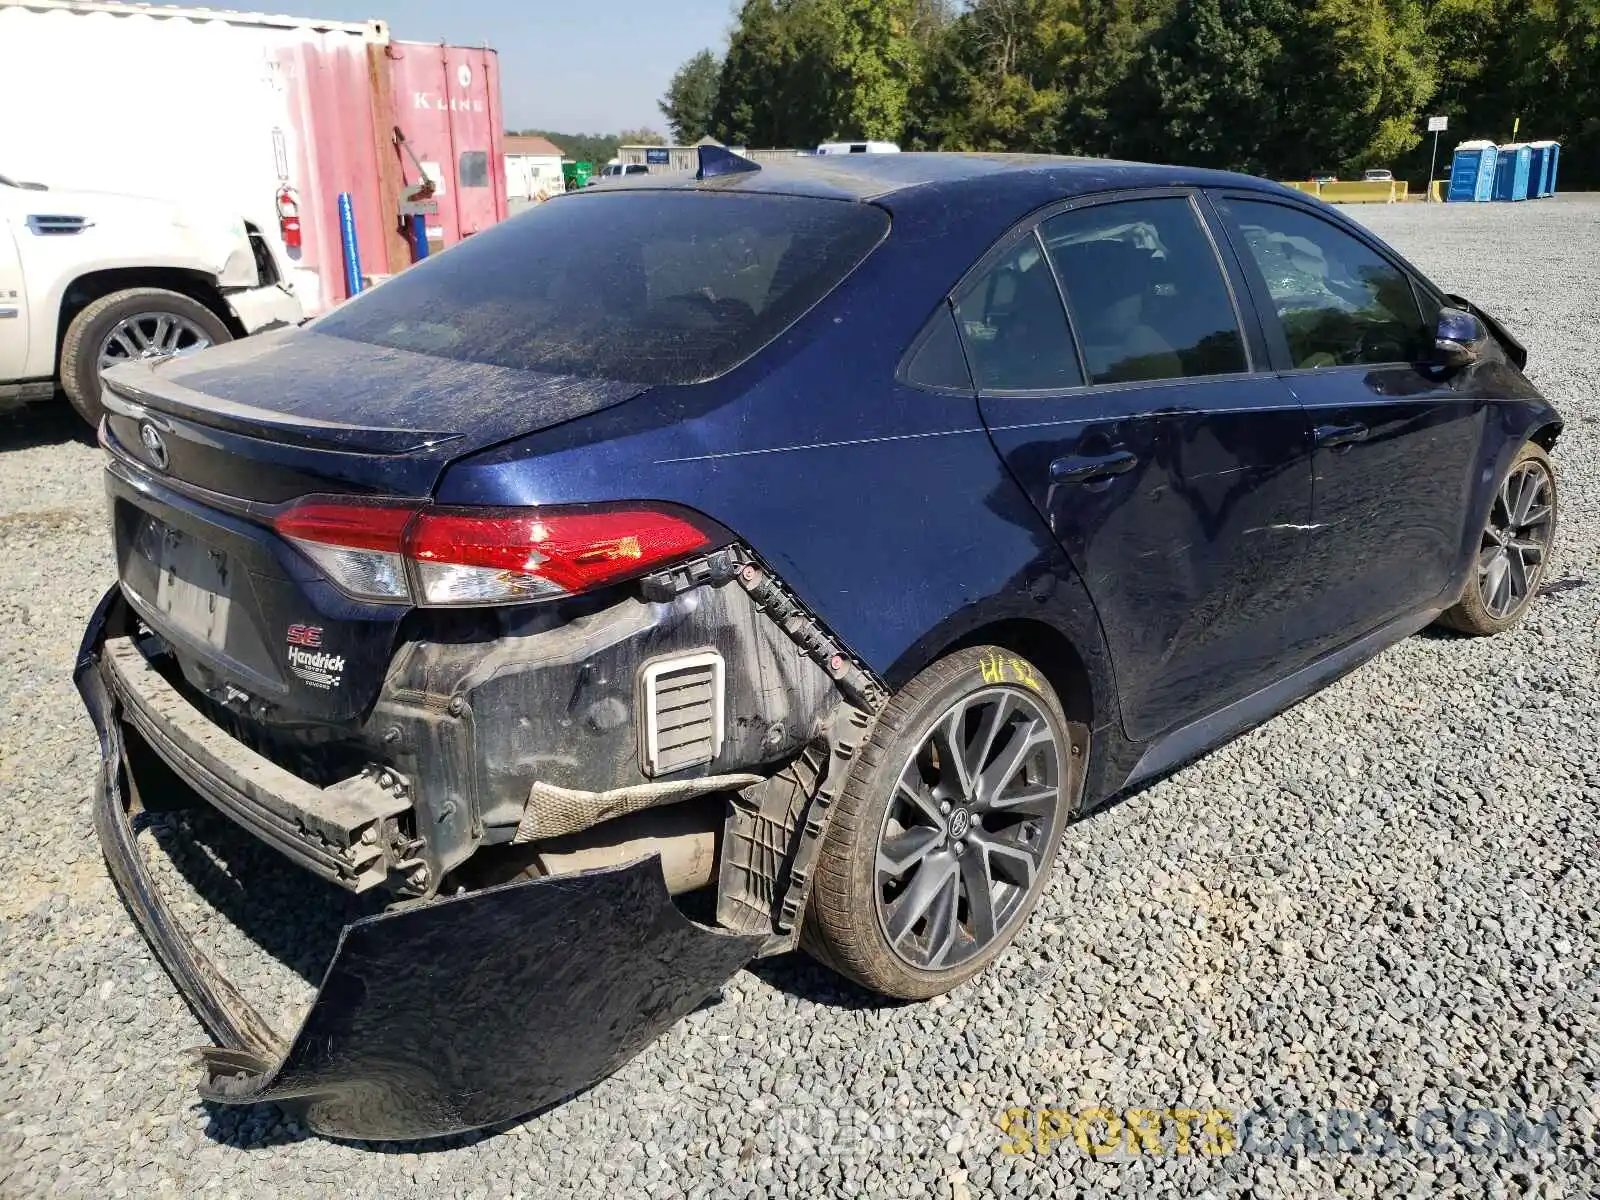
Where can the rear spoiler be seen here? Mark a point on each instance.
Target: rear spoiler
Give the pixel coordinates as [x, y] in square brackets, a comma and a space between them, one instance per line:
[1514, 349]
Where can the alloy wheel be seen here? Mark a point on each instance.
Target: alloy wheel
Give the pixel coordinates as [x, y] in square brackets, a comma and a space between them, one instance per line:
[150, 335]
[967, 832]
[1516, 541]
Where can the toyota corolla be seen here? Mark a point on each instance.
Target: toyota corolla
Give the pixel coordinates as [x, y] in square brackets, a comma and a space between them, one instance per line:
[800, 547]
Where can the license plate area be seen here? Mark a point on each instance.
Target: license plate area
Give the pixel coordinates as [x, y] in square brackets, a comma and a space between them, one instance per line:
[193, 582]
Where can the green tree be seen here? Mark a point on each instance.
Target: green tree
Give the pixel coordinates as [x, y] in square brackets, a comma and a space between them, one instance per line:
[799, 72]
[1280, 87]
[997, 78]
[1365, 73]
[1209, 86]
[691, 98]
[1115, 33]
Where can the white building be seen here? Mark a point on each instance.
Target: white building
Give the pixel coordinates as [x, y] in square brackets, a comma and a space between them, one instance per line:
[533, 168]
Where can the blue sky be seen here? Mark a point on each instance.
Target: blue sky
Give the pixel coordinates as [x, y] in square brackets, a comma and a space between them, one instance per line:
[578, 66]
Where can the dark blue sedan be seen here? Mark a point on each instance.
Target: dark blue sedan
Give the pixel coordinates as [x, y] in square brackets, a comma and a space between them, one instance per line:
[690, 570]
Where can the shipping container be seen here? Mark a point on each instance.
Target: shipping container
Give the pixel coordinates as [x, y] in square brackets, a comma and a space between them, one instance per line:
[254, 115]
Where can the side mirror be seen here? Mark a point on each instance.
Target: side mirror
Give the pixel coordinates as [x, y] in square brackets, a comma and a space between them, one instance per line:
[1458, 339]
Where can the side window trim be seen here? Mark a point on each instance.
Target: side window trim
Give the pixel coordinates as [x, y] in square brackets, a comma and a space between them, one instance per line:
[1246, 311]
[1061, 296]
[1267, 309]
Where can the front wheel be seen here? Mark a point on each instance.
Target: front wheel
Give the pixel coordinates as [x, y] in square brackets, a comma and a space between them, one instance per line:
[1514, 549]
[945, 831]
[138, 323]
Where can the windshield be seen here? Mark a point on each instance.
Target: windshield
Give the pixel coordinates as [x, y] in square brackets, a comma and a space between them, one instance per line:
[651, 287]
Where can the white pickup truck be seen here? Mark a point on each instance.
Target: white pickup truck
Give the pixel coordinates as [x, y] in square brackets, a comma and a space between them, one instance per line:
[90, 279]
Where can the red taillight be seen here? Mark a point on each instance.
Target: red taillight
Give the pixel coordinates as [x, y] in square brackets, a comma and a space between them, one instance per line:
[356, 526]
[442, 556]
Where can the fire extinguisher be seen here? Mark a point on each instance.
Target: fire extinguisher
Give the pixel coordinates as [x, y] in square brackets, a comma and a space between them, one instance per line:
[289, 217]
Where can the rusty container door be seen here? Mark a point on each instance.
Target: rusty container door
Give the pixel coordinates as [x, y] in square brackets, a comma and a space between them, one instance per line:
[447, 103]
[335, 140]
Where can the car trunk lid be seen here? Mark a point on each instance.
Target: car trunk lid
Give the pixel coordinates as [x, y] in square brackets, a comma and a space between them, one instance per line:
[272, 417]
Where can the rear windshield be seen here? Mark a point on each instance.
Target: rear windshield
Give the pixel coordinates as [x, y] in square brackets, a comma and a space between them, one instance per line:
[651, 287]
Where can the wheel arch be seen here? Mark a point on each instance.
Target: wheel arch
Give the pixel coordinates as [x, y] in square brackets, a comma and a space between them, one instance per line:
[1073, 665]
[1546, 435]
[1047, 648]
[93, 285]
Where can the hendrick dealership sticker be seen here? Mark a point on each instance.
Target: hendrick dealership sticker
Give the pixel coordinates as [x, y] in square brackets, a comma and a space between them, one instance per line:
[309, 662]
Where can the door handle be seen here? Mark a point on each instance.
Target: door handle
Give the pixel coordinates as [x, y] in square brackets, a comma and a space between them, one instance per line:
[1073, 469]
[1339, 435]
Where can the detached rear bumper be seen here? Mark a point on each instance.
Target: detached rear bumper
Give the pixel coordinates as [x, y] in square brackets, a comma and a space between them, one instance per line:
[433, 1019]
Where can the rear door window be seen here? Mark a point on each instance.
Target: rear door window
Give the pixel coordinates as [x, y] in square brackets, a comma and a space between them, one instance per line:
[1147, 295]
[648, 287]
[1340, 302]
[1014, 326]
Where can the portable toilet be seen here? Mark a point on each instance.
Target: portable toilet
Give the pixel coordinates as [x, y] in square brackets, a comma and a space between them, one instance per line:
[1472, 172]
[1538, 168]
[1511, 171]
[1555, 162]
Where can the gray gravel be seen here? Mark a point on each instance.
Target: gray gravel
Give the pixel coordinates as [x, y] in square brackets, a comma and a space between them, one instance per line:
[1384, 898]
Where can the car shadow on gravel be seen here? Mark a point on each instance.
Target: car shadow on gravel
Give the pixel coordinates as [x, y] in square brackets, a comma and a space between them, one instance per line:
[803, 977]
[50, 423]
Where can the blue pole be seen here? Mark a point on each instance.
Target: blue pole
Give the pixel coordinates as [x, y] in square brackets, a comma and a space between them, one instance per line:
[352, 252]
[419, 237]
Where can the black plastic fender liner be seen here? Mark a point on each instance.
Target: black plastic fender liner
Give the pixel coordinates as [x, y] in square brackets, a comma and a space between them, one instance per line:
[443, 1017]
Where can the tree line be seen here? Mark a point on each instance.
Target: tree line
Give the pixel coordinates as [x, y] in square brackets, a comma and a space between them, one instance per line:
[1283, 88]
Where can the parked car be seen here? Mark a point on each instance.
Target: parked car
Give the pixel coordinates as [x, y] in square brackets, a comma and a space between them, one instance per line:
[617, 170]
[817, 562]
[89, 279]
[1377, 175]
[1322, 177]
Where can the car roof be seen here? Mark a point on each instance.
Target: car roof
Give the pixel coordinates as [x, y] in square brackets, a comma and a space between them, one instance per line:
[881, 176]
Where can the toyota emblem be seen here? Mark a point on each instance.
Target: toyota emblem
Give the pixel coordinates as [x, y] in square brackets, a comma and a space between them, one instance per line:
[155, 448]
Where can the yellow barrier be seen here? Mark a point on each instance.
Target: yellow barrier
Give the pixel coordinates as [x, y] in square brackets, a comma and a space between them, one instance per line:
[1359, 193]
[1354, 192]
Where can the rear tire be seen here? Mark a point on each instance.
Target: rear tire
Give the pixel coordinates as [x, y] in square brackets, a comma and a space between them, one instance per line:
[89, 337]
[979, 827]
[1514, 549]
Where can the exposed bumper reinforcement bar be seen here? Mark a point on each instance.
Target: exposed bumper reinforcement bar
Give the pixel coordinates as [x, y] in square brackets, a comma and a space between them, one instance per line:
[439, 1018]
[334, 832]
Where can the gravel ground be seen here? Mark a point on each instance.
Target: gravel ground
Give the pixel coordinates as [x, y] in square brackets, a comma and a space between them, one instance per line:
[1384, 899]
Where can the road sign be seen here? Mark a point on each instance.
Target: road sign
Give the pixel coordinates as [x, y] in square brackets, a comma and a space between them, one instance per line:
[1436, 126]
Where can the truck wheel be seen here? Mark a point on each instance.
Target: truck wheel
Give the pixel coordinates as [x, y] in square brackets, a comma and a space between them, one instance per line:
[1513, 551]
[945, 831]
[132, 324]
